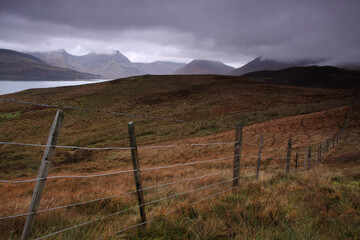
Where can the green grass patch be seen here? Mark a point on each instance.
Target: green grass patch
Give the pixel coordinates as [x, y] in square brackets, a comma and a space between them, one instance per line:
[9, 116]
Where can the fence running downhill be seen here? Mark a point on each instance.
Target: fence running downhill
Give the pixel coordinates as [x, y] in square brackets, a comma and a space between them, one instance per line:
[304, 160]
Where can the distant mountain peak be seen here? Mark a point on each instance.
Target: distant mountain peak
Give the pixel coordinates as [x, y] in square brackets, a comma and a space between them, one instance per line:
[200, 66]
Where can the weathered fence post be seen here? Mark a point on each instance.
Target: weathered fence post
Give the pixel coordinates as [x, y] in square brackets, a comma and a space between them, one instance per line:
[43, 173]
[296, 161]
[333, 142]
[288, 155]
[309, 159]
[320, 150]
[237, 154]
[259, 158]
[137, 175]
[327, 145]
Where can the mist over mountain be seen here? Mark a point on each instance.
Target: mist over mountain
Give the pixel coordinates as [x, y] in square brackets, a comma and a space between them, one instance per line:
[20, 66]
[107, 65]
[260, 64]
[205, 67]
[160, 67]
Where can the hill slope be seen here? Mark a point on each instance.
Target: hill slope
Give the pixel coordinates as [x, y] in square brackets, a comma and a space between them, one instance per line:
[107, 65]
[259, 64]
[20, 66]
[284, 206]
[313, 76]
[205, 67]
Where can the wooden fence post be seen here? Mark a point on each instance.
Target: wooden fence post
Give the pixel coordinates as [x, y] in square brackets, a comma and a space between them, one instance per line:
[259, 158]
[333, 142]
[137, 175]
[327, 145]
[237, 154]
[288, 155]
[320, 150]
[309, 159]
[43, 173]
[296, 161]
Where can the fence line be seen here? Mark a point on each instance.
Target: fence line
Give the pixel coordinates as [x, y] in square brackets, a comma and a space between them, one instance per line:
[118, 148]
[131, 170]
[130, 192]
[117, 195]
[322, 151]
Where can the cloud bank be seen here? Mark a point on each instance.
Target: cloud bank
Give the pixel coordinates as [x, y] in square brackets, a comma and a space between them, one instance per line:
[232, 31]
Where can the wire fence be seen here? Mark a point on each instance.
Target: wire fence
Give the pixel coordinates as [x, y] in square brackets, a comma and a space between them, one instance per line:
[311, 158]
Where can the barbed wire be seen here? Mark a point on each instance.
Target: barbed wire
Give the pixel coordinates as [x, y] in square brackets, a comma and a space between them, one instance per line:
[117, 195]
[315, 162]
[121, 171]
[126, 210]
[119, 148]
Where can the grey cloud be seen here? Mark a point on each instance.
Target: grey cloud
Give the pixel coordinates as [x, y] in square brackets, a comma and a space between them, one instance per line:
[228, 30]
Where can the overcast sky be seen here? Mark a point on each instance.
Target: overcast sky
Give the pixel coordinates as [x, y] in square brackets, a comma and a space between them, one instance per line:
[232, 31]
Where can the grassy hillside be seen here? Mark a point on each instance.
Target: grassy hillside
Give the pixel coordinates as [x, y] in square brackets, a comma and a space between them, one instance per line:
[278, 206]
[313, 76]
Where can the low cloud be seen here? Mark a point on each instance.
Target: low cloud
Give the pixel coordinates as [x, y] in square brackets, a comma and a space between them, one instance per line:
[231, 31]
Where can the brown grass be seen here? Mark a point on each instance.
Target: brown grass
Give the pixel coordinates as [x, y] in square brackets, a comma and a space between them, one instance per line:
[250, 212]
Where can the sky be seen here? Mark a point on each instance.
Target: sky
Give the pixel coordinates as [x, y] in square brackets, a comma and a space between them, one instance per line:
[231, 31]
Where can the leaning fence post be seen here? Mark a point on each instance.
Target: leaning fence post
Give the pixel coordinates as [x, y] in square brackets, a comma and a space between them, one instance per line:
[296, 161]
[237, 154]
[259, 158]
[137, 175]
[288, 155]
[309, 159]
[43, 173]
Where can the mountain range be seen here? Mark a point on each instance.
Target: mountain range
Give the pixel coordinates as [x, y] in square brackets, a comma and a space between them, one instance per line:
[60, 65]
[107, 65]
[20, 66]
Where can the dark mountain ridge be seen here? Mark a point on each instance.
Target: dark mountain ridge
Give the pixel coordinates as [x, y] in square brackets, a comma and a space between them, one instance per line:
[311, 76]
[260, 64]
